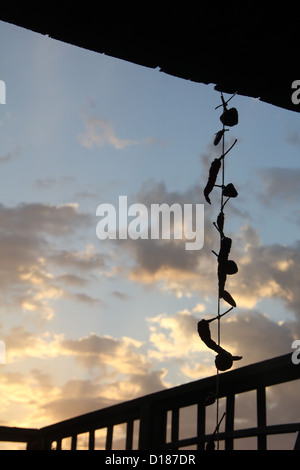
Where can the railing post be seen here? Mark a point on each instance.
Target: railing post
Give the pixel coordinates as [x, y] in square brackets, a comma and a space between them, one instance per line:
[175, 426]
[153, 426]
[38, 443]
[229, 421]
[92, 439]
[129, 435]
[74, 442]
[109, 437]
[261, 417]
[145, 425]
[201, 411]
[159, 429]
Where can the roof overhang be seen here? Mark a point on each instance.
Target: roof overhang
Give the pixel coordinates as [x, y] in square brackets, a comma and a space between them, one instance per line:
[240, 47]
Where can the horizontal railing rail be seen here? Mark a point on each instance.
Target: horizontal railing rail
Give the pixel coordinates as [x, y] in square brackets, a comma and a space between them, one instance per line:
[277, 429]
[14, 434]
[150, 414]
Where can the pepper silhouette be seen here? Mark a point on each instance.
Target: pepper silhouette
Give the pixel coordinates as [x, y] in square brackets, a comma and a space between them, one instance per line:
[229, 190]
[219, 136]
[230, 116]
[205, 335]
[213, 173]
[220, 223]
[225, 267]
[224, 359]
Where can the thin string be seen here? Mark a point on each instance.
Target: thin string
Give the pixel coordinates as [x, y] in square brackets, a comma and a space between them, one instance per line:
[221, 233]
[219, 307]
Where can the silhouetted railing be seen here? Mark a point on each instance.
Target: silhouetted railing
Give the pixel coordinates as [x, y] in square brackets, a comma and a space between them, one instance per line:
[156, 416]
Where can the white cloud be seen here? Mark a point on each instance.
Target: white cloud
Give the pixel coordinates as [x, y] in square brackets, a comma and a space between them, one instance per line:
[123, 355]
[107, 371]
[254, 336]
[100, 132]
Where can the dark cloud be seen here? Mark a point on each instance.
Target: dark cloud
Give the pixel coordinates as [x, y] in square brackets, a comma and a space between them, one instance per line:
[50, 183]
[255, 336]
[76, 398]
[153, 260]
[279, 186]
[248, 333]
[72, 280]
[265, 271]
[85, 299]
[33, 273]
[148, 383]
[81, 261]
[83, 396]
[10, 155]
[269, 271]
[293, 138]
[42, 218]
[20, 264]
[19, 341]
[121, 295]
[95, 350]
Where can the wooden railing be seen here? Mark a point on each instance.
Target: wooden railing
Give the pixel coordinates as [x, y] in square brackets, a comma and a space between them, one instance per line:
[156, 416]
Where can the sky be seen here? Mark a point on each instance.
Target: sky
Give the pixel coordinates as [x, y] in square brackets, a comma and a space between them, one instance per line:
[88, 323]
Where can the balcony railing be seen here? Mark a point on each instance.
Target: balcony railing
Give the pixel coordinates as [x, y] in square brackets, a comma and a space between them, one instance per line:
[156, 416]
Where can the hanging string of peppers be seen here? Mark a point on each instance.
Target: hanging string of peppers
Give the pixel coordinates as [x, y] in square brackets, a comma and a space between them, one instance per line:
[224, 359]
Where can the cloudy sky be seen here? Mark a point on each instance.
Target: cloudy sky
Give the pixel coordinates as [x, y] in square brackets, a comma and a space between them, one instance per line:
[86, 322]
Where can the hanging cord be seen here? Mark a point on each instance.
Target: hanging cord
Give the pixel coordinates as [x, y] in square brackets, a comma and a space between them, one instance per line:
[219, 300]
[224, 359]
[211, 443]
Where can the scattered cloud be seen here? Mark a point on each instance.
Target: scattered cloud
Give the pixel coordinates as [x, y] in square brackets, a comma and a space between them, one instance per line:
[37, 271]
[84, 261]
[265, 271]
[50, 183]
[10, 155]
[280, 185]
[293, 138]
[248, 333]
[34, 274]
[119, 371]
[100, 131]
[174, 337]
[42, 218]
[122, 355]
[72, 280]
[22, 343]
[121, 295]
[167, 262]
